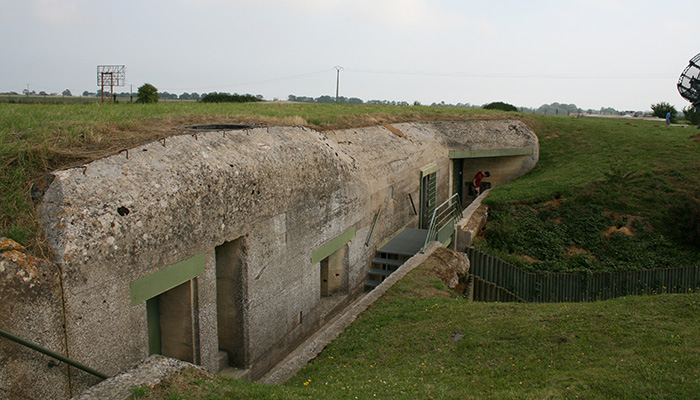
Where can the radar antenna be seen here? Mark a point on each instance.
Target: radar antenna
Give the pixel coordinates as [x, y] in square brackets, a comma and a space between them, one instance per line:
[689, 82]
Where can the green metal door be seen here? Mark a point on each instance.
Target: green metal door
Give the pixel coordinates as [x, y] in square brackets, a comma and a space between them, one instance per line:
[428, 194]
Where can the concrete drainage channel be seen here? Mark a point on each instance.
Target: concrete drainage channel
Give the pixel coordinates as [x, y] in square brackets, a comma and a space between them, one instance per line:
[216, 127]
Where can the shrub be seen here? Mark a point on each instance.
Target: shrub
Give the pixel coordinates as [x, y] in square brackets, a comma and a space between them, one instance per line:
[229, 98]
[685, 217]
[661, 109]
[692, 115]
[147, 94]
[499, 105]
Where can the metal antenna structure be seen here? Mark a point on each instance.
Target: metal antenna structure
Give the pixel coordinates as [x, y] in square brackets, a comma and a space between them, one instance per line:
[110, 75]
[689, 82]
[338, 68]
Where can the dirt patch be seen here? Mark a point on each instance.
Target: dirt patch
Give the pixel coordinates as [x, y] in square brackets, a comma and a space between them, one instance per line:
[394, 130]
[573, 251]
[529, 259]
[555, 203]
[626, 229]
[554, 136]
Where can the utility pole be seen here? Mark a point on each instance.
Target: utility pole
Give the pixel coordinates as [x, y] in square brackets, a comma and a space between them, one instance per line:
[337, 81]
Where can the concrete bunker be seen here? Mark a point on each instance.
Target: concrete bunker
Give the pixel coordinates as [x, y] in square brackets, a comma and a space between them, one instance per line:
[229, 249]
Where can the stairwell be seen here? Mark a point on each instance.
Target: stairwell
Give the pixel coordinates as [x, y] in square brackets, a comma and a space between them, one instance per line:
[394, 254]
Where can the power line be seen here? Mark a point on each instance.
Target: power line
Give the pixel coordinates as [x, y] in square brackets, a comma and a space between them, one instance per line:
[498, 75]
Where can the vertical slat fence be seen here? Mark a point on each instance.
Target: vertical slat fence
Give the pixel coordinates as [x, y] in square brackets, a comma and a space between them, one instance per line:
[503, 280]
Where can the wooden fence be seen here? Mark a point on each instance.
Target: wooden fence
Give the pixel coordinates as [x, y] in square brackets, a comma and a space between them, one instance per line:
[575, 287]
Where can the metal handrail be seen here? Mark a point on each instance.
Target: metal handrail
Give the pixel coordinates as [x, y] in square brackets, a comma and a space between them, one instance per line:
[448, 209]
[374, 225]
[53, 354]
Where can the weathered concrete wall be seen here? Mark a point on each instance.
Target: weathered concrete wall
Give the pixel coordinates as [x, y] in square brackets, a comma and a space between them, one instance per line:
[284, 192]
[30, 308]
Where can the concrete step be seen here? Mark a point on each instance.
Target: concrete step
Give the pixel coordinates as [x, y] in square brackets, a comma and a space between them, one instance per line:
[371, 283]
[380, 272]
[388, 261]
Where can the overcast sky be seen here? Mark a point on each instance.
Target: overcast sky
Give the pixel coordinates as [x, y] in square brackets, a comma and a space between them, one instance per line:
[593, 53]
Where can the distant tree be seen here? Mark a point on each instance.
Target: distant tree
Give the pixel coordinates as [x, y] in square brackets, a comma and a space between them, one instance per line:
[167, 96]
[499, 105]
[229, 98]
[301, 99]
[147, 94]
[43, 93]
[185, 96]
[661, 109]
[692, 115]
[194, 96]
[325, 99]
[67, 93]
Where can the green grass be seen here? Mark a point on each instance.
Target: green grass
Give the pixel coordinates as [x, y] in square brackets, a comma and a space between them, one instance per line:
[594, 175]
[408, 346]
[38, 138]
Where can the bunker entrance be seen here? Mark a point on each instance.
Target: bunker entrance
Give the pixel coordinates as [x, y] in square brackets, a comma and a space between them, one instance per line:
[230, 300]
[171, 322]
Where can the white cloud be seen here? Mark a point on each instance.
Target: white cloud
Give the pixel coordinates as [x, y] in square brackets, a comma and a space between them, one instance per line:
[403, 13]
[57, 11]
[486, 28]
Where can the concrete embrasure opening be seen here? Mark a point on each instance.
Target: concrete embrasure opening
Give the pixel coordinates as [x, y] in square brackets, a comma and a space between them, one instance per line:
[217, 127]
[230, 272]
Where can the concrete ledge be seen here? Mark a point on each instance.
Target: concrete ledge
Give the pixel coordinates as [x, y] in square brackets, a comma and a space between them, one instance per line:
[464, 234]
[316, 343]
[148, 372]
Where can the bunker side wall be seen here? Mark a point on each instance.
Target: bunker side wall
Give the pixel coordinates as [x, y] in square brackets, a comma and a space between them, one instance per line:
[284, 192]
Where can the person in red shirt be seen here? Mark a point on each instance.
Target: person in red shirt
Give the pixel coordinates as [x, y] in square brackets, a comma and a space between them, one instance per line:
[476, 182]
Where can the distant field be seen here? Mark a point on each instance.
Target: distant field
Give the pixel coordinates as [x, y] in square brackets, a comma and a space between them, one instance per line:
[22, 99]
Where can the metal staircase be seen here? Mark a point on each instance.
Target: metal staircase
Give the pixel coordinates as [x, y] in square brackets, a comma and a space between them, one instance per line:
[393, 254]
[411, 241]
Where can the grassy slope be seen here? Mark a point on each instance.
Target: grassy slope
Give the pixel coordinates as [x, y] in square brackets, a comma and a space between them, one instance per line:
[415, 345]
[595, 175]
